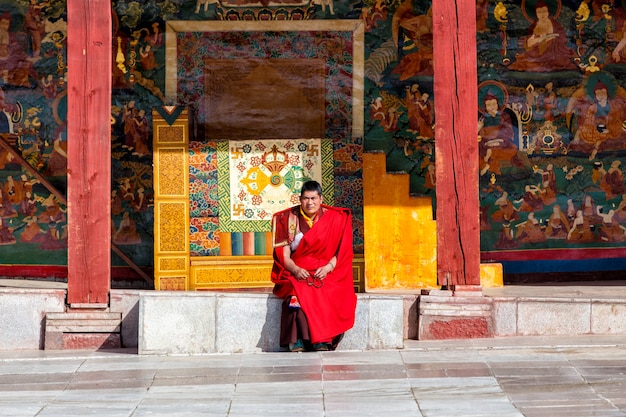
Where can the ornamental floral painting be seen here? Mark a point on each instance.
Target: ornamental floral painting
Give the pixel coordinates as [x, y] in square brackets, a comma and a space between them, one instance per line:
[260, 178]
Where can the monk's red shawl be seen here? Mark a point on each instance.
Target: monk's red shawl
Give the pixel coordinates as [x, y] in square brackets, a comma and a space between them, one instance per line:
[329, 308]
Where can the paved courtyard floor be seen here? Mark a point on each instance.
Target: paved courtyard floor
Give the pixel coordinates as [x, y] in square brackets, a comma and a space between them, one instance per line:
[506, 377]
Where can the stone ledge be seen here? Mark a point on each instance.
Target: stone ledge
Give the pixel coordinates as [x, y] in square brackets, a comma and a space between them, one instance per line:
[211, 322]
[558, 316]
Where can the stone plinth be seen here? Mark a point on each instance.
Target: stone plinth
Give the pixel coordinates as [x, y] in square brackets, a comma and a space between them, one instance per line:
[172, 322]
[558, 316]
[83, 330]
[22, 313]
[454, 315]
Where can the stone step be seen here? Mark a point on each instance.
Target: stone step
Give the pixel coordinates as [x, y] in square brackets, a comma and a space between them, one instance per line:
[83, 330]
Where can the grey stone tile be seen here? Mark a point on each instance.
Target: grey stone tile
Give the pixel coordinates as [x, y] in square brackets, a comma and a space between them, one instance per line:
[268, 378]
[447, 387]
[114, 397]
[571, 411]
[40, 367]
[469, 406]
[20, 410]
[189, 393]
[374, 357]
[86, 409]
[169, 408]
[195, 380]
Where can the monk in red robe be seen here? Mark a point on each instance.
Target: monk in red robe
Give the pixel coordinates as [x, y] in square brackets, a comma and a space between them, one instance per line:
[312, 272]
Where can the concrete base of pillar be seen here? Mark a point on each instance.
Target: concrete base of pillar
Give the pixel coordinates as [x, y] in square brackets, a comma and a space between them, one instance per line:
[461, 313]
[83, 330]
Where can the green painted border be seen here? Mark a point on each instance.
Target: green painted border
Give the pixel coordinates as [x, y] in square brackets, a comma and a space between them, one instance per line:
[223, 189]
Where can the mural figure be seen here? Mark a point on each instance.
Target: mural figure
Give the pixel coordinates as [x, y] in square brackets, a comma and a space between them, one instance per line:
[590, 210]
[558, 226]
[129, 118]
[496, 134]
[8, 111]
[413, 36]
[55, 237]
[32, 231]
[204, 4]
[612, 182]
[549, 103]
[116, 203]
[530, 201]
[580, 231]
[324, 4]
[620, 211]
[420, 112]
[140, 133]
[35, 24]
[6, 233]
[28, 205]
[545, 49]
[373, 14]
[600, 107]
[611, 230]
[126, 233]
[49, 85]
[506, 238]
[506, 211]
[15, 67]
[147, 58]
[530, 231]
[57, 162]
[7, 210]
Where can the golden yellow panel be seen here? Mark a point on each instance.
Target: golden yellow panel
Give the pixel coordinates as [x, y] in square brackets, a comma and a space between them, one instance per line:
[173, 229]
[172, 283]
[248, 272]
[174, 134]
[399, 254]
[491, 275]
[244, 276]
[174, 264]
[172, 172]
[358, 273]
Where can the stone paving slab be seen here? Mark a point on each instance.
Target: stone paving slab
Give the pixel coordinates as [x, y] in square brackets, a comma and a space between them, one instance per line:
[513, 377]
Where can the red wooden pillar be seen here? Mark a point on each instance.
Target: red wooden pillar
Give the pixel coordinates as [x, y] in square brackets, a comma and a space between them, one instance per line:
[89, 152]
[456, 109]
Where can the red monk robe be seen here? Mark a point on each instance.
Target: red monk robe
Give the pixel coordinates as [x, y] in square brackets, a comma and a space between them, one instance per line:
[329, 304]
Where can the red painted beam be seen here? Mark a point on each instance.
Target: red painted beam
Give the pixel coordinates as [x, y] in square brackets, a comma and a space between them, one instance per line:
[89, 152]
[456, 110]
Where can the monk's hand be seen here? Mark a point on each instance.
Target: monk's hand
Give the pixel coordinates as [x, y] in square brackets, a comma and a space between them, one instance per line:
[322, 271]
[301, 273]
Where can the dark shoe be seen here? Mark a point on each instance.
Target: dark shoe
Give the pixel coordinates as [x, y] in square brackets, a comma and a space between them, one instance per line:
[321, 347]
[297, 347]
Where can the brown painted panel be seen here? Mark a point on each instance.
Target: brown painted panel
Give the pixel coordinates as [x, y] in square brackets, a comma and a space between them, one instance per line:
[265, 98]
[89, 151]
[458, 235]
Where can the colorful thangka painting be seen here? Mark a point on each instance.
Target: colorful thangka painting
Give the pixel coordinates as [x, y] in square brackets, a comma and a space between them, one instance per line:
[260, 178]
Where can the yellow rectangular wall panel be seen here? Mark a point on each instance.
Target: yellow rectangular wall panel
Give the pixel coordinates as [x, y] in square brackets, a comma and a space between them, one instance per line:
[491, 275]
[400, 235]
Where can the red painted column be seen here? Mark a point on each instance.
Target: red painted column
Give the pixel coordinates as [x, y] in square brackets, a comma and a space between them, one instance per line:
[456, 109]
[89, 152]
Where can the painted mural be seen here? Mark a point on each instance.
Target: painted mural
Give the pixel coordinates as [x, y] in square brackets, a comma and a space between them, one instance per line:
[33, 110]
[551, 126]
[552, 129]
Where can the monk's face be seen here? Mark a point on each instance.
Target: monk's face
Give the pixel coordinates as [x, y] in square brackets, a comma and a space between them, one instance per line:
[542, 13]
[310, 202]
[491, 105]
[601, 95]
